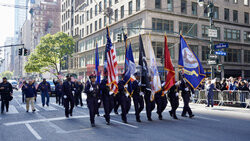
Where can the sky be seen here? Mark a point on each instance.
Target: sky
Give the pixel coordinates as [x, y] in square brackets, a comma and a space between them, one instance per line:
[7, 20]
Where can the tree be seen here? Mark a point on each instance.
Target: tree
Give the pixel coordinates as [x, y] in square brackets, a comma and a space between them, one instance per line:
[7, 74]
[49, 53]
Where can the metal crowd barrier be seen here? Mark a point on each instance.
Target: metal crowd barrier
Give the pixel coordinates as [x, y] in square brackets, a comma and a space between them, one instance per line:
[224, 97]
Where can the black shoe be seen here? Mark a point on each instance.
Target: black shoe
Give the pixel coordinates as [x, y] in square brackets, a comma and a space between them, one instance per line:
[81, 105]
[47, 105]
[1, 112]
[150, 119]
[98, 115]
[71, 114]
[92, 124]
[43, 105]
[34, 110]
[183, 115]
[160, 117]
[116, 113]
[138, 120]
[124, 121]
[108, 123]
[170, 113]
[175, 117]
[67, 116]
[191, 116]
[27, 111]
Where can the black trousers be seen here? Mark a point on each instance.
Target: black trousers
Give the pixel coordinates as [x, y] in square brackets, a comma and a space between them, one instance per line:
[60, 99]
[161, 102]
[69, 101]
[92, 103]
[186, 108]
[139, 105]
[108, 104]
[150, 105]
[78, 99]
[117, 102]
[125, 104]
[174, 101]
[4, 103]
[23, 97]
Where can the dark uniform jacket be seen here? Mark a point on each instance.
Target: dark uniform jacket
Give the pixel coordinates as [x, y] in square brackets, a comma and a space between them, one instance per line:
[183, 86]
[68, 88]
[29, 90]
[104, 89]
[121, 90]
[94, 93]
[136, 89]
[44, 87]
[79, 88]
[59, 88]
[5, 93]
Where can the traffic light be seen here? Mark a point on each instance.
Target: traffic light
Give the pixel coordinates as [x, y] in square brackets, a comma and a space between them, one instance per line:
[119, 37]
[20, 51]
[219, 67]
[25, 52]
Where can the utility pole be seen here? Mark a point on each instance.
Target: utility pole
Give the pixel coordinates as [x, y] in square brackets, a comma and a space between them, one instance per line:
[211, 15]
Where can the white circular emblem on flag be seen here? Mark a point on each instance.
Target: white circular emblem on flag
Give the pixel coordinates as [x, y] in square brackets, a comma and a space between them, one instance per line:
[189, 60]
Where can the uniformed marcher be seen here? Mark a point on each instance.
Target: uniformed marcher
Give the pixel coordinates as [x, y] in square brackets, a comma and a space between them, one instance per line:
[68, 92]
[125, 99]
[174, 99]
[6, 94]
[92, 91]
[45, 90]
[137, 97]
[186, 90]
[107, 99]
[59, 92]
[78, 94]
[161, 102]
[117, 102]
[23, 92]
[30, 94]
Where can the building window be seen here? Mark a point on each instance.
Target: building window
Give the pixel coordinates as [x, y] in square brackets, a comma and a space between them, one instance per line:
[130, 8]
[159, 49]
[205, 52]
[235, 16]
[82, 18]
[116, 15]
[105, 4]
[184, 6]
[105, 20]
[246, 2]
[205, 10]
[194, 8]
[122, 12]
[170, 5]
[82, 32]
[91, 28]
[204, 30]
[233, 55]
[194, 49]
[87, 15]
[135, 24]
[100, 7]
[96, 10]
[138, 5]
[247, 56]
[235, 1]
[231, 34]
[226, 14]
[110, 20]
[216, 12]
[158, 4]
[116, 1]
[87, 30]
[160, 25]
[100, 23]
[188, 28]
[95, 25]
[246, 19]
[110, 3]
[91, 12]
[247, 37]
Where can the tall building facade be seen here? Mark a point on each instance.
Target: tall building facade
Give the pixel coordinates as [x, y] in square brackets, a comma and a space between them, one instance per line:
[157, 17]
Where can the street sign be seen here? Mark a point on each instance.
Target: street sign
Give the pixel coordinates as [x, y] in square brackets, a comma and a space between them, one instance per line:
[222, 53]
[221, 45]
[212, 33]
[211, 62]
[212, 56]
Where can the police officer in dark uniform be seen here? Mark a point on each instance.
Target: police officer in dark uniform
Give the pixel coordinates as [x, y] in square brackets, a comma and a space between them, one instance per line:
[174, 100]
[6, 92]
[137, 97]
[45, 89]
[186, 90]
[125, 99]
[117, 102]
[59, 92]
[150, 105]
[161, 102]
[68, 91]
[78, 94]
[92, 91]
[107, 99]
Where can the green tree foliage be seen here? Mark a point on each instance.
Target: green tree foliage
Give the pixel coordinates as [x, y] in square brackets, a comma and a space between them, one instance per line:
[7, 74]
[49, 53]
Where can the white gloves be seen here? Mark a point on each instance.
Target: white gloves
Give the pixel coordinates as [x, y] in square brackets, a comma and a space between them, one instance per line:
[139, 84]
[141, 93]
[99, 101]
[65, 96]
[91, 89]
[126, 86]
[176, 94]
[73, 92]
[177, 83]
[127, 94]
[186, 89]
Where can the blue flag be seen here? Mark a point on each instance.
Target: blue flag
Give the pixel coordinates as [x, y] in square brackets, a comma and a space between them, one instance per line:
[98, 80]
[193, 71]
[130, 69]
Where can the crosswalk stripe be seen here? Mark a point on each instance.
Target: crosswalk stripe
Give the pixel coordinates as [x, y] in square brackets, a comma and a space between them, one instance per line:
[47, 108]
[24, 106]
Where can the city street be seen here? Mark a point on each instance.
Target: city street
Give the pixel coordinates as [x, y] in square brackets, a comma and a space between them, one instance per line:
[49, 123]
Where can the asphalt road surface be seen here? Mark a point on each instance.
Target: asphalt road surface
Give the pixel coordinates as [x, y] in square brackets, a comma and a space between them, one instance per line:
[50, 124]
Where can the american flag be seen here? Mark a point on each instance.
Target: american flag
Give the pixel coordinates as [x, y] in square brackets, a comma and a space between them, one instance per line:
[112, 66]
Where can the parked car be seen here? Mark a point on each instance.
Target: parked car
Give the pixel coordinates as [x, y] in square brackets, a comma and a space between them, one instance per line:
[14, 84]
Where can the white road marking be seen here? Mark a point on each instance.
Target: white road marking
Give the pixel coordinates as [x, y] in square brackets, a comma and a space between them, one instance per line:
[12, 110]
[24, 106]
[37, 136]
[47, 108]
[126, 124]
